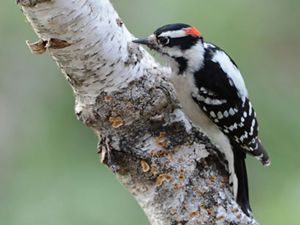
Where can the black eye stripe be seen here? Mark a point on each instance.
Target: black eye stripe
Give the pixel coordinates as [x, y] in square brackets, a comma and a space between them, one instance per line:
[183, 42]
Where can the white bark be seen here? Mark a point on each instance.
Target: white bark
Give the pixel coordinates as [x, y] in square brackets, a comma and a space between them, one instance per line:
[120, 92]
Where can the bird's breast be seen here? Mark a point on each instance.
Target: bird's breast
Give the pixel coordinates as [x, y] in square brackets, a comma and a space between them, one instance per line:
[185, 87]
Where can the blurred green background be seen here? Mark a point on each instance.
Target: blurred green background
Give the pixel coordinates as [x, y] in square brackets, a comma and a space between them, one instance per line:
[49, 169]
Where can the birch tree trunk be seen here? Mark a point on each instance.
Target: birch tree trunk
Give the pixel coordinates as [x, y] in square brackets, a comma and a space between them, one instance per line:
[167, 164]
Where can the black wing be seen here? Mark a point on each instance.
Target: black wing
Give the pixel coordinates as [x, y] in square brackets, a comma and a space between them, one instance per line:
[219, 98]
[212, 77]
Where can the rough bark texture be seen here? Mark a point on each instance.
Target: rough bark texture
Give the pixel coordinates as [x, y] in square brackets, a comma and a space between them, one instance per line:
[169, 166]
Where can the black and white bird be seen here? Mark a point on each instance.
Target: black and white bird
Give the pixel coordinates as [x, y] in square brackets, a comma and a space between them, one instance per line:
[212, 93]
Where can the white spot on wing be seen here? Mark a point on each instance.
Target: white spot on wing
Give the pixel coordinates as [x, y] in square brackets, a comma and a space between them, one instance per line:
[202, 89]
[208, 100]
[225, 113]
[220, 115]
[212, 114]
[244, 136]
[233, 127]
[211, 101]
[231, 112]
[252, 127]
[250, 109]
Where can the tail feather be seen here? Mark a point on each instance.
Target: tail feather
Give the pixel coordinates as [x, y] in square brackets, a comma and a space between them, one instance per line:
[256, 149]
[242, 197]
[262, 155]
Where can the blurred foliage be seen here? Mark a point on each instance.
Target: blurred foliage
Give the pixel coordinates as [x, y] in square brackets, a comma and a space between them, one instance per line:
[49, 169]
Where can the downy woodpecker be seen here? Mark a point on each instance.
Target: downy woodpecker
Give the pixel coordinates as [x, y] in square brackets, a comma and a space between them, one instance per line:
[212, 93]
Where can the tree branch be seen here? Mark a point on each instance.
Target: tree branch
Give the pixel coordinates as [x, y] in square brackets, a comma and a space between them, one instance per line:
[168, 165]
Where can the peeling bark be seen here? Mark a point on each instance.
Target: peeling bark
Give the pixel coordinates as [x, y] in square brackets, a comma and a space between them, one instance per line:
[169, 166]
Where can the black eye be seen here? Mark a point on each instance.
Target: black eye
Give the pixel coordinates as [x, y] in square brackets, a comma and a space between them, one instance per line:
[163, 40]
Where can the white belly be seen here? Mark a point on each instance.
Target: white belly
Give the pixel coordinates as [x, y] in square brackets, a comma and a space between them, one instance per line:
[183, 84]
[184, 91]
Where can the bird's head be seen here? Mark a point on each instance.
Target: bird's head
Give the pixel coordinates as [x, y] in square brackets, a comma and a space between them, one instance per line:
[181, 42]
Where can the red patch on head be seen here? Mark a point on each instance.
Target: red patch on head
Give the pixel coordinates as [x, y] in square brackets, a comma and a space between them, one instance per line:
[193, 32]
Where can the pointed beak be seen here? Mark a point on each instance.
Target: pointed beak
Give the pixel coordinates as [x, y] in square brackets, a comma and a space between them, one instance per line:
[142, 41]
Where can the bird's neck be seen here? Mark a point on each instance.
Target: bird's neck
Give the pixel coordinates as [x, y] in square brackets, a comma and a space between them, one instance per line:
[191, 61]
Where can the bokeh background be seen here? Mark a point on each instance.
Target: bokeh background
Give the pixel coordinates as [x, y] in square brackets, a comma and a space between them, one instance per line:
[49, 169]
